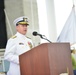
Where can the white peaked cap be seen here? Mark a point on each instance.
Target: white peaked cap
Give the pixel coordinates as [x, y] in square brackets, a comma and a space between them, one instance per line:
[21, 20]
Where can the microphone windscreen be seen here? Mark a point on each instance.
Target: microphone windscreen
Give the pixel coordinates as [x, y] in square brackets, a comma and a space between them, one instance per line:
[34, 33]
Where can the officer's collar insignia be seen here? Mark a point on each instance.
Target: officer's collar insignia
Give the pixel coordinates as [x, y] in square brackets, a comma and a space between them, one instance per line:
[28, 37]
[21, 43]
[13, 37]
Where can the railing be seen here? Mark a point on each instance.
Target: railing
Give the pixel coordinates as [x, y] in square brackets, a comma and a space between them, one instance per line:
[2, 59]
[4, 65]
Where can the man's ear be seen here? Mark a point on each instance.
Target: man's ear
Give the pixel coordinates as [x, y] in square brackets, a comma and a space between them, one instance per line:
[17, 27]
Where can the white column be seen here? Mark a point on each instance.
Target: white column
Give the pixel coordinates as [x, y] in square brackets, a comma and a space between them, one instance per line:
[47, 19]
[42, 14]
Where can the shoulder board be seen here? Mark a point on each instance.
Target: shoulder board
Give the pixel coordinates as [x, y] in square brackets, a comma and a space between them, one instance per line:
[13, 36]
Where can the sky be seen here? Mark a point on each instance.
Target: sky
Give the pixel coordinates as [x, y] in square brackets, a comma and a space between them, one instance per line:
[62, 11]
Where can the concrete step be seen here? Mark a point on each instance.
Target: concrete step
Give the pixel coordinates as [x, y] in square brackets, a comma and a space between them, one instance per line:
[2, 52]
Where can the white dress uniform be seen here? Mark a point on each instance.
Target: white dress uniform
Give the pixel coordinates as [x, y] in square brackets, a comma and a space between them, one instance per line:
[16, 46]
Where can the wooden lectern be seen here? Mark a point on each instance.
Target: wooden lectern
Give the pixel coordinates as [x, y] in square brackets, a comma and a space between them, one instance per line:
[47, 59]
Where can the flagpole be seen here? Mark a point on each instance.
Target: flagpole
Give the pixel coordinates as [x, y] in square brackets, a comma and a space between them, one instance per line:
[73, 3]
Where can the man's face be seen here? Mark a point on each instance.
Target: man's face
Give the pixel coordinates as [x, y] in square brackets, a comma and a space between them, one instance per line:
[22, 29]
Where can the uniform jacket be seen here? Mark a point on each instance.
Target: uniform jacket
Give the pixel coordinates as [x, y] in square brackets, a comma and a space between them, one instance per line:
[16, 45]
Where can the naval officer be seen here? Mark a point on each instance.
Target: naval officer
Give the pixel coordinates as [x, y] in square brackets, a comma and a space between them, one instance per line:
[17, 45]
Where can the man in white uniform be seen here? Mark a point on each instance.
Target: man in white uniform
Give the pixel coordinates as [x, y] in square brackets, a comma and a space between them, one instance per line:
[17, 45]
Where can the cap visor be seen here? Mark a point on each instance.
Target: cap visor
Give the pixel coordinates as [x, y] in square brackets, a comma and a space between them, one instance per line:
[23, 23]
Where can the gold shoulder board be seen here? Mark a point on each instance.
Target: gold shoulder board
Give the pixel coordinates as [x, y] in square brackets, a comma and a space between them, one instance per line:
[13, 37]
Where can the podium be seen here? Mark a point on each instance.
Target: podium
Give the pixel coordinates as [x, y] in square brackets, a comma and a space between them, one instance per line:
[47, 59]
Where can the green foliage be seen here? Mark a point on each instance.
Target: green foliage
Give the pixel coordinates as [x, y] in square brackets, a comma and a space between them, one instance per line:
[73, 60]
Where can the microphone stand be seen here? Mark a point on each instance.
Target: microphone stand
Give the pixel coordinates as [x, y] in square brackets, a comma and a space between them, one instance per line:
[43, 37]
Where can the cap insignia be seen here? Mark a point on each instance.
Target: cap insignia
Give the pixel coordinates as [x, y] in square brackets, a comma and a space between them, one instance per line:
[25, 19]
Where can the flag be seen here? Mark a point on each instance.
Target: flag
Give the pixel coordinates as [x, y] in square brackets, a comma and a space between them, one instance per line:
[68, 33]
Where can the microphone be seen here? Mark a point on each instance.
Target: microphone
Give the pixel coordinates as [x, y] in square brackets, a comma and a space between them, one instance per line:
[35, 34]
[42, 36]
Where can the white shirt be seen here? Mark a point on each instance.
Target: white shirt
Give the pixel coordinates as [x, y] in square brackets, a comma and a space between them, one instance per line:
[16, 46]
